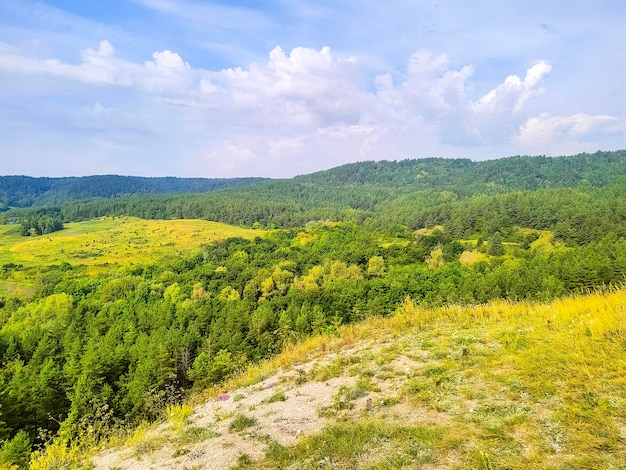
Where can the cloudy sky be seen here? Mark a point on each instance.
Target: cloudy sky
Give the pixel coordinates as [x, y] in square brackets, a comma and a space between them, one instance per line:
[285, 87]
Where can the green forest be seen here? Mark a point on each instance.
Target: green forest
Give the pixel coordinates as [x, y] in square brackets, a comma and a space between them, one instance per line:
[87, 352]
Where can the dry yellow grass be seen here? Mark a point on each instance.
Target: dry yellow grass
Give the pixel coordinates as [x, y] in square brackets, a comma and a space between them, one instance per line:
[468, 258]
[428, 231]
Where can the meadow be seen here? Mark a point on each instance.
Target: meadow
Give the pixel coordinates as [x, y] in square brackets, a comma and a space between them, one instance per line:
[114, 241]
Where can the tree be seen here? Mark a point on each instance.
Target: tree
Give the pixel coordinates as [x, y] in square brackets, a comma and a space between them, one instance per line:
[376, 266]
[206, 371]
[15, 453]
[496, 248]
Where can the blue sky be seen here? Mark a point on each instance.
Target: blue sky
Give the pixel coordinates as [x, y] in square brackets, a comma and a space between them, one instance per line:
[286, 87]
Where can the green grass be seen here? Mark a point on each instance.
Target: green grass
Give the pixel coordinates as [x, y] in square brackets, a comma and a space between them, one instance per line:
[241, 422]
[468, 258]
[195, 434]
[368, 445]
[276, 397]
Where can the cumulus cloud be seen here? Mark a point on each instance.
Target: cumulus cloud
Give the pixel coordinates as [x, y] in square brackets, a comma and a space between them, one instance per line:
[167, 73]
[431, 89]
[497, 115]
[514, 92]
[435, 93]
[305, 88]
[311, 107]
[573, 133]
[311, 89]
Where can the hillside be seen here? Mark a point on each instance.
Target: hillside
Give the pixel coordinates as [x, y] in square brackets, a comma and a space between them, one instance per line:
[461, 176]
[122, 241]
[505, 385]
[512, 173]
[24, 191]
[385, 195]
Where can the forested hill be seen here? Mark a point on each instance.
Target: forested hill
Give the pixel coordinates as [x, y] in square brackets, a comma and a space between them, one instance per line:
[513, 173]
[533, 192]
[24, 191]
[385, 179]
[107, 323]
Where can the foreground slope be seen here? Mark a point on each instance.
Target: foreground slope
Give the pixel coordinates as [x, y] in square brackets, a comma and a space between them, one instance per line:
[504, 385]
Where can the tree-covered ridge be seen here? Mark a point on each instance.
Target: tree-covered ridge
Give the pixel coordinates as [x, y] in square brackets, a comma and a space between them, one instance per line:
[513, 173]
[358, 185]
[411, 193]
[576, 215]
[24, 191]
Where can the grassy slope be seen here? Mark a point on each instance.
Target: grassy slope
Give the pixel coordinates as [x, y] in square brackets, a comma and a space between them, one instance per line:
[505, 385]
[104, 243]
[114, 241]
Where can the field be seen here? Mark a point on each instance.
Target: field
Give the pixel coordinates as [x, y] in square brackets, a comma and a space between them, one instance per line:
[114, 241]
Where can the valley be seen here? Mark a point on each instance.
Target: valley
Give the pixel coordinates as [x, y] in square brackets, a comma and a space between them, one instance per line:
[436, 313]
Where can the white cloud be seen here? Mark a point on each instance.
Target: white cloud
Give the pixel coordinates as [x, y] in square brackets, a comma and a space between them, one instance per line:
[305, 110]
[98, 66]
[306, 88]
[497, 115]
[436, 94]
[547, 133]
[513, 93]
[168, 74]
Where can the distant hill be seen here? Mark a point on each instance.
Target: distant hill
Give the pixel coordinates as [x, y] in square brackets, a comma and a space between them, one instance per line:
[567, 191]
[24, 191]
[512, 173]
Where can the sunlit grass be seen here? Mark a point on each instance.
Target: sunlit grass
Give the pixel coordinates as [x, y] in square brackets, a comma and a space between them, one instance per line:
[24, 290]
[178, 415]
[114, 241]
[545, 243]
[58, 455]
[369, 444]
[428, 231]
[468, 258]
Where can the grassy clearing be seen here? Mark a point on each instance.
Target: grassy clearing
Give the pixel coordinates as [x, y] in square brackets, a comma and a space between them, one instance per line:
[428, 231]
[145, 440]
[114, 241]
[468, 258]
[545, 243]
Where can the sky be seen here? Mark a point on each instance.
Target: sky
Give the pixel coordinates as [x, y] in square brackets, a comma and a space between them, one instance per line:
[277, 88]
